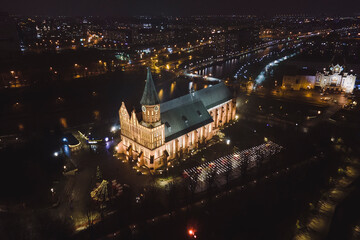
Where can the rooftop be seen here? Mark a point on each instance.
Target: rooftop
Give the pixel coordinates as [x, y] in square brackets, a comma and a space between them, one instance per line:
[189, 112]
[150, 96]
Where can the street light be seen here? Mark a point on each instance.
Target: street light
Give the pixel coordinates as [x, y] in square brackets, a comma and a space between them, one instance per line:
[191, 233]
[56, 154]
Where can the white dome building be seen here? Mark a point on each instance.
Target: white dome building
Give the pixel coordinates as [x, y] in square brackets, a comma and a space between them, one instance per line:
[335, 79]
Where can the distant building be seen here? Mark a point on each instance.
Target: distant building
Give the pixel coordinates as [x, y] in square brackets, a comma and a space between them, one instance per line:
[298, 82]
[152, 36]
[336, 79]
[163, 131]
[118, 35]
[333, 79]
[9, 38]
[269, 34]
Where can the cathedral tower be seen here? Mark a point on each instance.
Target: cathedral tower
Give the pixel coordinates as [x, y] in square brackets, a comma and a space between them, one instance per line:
[150, 103]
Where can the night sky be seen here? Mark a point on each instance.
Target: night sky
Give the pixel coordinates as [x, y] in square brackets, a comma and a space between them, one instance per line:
[179, 7]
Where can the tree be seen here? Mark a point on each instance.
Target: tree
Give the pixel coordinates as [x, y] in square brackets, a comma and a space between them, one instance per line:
[244, 165]
[172, 196]
[192, 185]
[98, 174]
[228, 172]
[210, 179]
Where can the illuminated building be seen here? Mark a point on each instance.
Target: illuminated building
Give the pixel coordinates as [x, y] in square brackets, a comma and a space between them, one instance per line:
[336, 79]
[333, 79]
[298, 82]
[163, 131]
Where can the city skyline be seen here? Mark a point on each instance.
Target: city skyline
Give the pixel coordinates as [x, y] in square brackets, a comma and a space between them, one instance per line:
[179, 127]
[177, 8]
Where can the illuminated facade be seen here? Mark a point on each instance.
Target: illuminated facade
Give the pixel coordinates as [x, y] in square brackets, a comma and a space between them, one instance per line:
[163, 131]
[336, 79]
[298, 82]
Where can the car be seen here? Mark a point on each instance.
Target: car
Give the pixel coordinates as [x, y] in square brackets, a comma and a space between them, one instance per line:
[325, 98]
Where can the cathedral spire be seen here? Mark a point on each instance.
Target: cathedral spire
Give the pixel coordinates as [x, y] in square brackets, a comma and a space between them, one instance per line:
[150, 96]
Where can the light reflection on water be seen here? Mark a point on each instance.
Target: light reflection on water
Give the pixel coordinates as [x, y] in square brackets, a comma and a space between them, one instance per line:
[227, 68]
[121, 86]
[67, 150]
[172, 87]
[96, 115]
[161, 94]
[63, 122]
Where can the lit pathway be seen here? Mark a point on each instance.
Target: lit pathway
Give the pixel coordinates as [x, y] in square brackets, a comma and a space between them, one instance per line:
[230, 164]
[207, 78]
[318, 224]
[202, 203]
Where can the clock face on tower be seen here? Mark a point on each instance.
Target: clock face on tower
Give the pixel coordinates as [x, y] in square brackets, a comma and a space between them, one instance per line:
[143, 108]
[156, 108]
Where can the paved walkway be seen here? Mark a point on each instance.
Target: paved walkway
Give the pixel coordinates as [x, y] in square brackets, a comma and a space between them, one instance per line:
[318, 224]
[230, 164]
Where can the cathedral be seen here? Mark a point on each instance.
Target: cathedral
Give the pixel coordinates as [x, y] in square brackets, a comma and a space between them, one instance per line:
[163, 131]
[336, 79]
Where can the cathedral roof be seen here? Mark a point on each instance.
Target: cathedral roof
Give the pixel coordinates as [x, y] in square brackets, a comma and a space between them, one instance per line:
[184, 119]
[149, 96]
[210, 97]
[187, 113]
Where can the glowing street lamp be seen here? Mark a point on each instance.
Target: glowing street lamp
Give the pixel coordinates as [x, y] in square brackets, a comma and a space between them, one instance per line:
[191, 233]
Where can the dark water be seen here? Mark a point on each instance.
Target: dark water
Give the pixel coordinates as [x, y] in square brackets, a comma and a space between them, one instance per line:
[228, 68]
[69, 104]
[77, 102]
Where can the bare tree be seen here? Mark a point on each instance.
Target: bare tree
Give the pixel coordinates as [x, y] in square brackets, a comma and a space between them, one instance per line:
[210, 179]
[244, 166]
[172, 196]
[228, 172]
[90, 213]
[192, 184]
